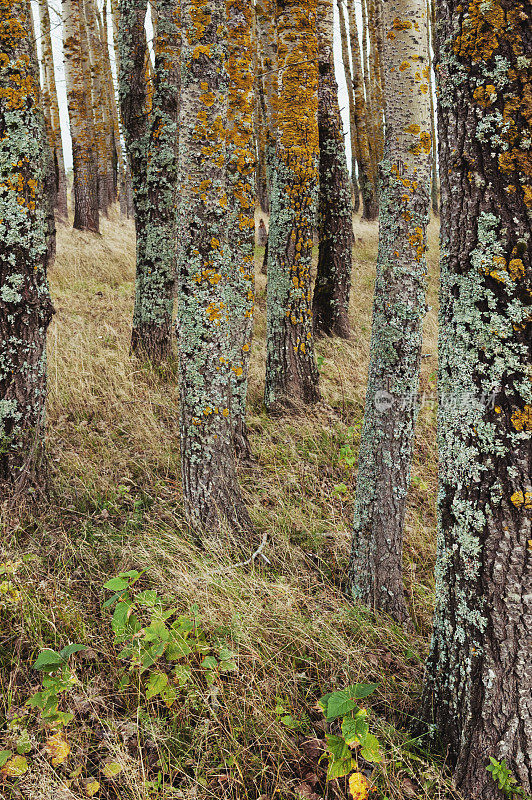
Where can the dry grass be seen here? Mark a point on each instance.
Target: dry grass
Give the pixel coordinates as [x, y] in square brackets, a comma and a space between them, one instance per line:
[116, 504]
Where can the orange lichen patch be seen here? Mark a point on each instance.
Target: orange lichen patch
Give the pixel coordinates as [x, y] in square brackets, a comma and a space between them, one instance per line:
[484, 96]
[520, 499]
[527, 192]
[424, 88]
[401, 24]
[214, 311]
[522, 419]
[202, 50]
[516, 268]
[404, 65]
[417, 242]
[481, 26]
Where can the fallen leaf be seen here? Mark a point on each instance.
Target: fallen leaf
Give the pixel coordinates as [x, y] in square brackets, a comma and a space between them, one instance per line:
[91, 787]
[111, 769]
[15, 767]
[57, 748]
[358, 786]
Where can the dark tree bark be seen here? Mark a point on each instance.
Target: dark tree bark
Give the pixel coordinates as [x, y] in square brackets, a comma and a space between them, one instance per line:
[385, 457]
[25, 247]
[291, 371]
[152, 318]
[205, 343]
[77, 75]
[330, 304]
[478, 689]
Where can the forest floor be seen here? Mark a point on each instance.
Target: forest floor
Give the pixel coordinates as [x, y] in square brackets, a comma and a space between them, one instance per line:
[276, 635]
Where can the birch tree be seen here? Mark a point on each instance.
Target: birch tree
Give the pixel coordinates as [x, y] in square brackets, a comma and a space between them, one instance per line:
[25, 305]
[210, 487]
[241, 197]
[330, 304]
[54, 128]
[291, 372]
[367, 181]
[79, 94]
[479, 677]
[353, 132]
[265, 11]
[375, 571]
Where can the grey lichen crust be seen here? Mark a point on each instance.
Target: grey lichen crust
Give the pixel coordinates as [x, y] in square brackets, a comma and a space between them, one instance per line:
[399, 307]
[479, 673]
[210, 486]
[25, 305]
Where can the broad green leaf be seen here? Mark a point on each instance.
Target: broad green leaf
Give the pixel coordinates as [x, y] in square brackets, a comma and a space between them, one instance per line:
[337, 704]
[355, 727]
[70, 649]
[23, 743]
[209, 662]
[183, 674]
[360, 690]
[4, 756]
[48, 661]
[183, 625]
[155, 631]
[156, 683]
[337, 747]
[228, 666]
[339, 769]
[120, 617]
[177, 648]
[131, 573]
[146, 598]
[151, 655]
[210, 677]
[169, 694]
[370, 748]
[116, 584]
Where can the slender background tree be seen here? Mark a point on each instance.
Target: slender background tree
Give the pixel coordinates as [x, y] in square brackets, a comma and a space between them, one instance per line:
[385, 456]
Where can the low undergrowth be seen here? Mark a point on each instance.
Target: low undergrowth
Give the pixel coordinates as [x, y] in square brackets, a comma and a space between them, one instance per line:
[192, 678]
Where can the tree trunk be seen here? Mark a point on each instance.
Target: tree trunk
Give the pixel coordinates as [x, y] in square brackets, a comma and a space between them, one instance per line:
[152, 318]
[210, 487]
[370, 117]
[353, 133]
[240, 289]
[399, 306]
[102, 125]
[25, 305]
[479, 677]
[259, 120]
[56, 143]
[431, 27]
[81, 122]
[367, 183]
[114, 115]
[265, 11]
[291, 371]
[330, 304]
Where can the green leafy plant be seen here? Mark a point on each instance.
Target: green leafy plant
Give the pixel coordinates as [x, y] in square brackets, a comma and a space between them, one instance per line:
[354, 737]
[58, 680]
[506, 781]
[160, 645]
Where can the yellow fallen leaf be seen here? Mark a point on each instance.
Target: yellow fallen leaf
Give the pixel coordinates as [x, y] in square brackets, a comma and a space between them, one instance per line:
[358, 786]
[57, 748]
[15, 767]
[91, 787]
[111, 769]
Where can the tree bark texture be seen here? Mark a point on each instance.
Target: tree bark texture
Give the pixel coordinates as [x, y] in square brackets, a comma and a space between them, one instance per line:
[210, 487]
[86, 216]
[330, 305]
[479, 673]
[353, 137]
[367, 181]
[291, 371]
[399, 307]
[265, 11]
[25, 305]
[241, 194]
[54, 135]
[152, 316]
